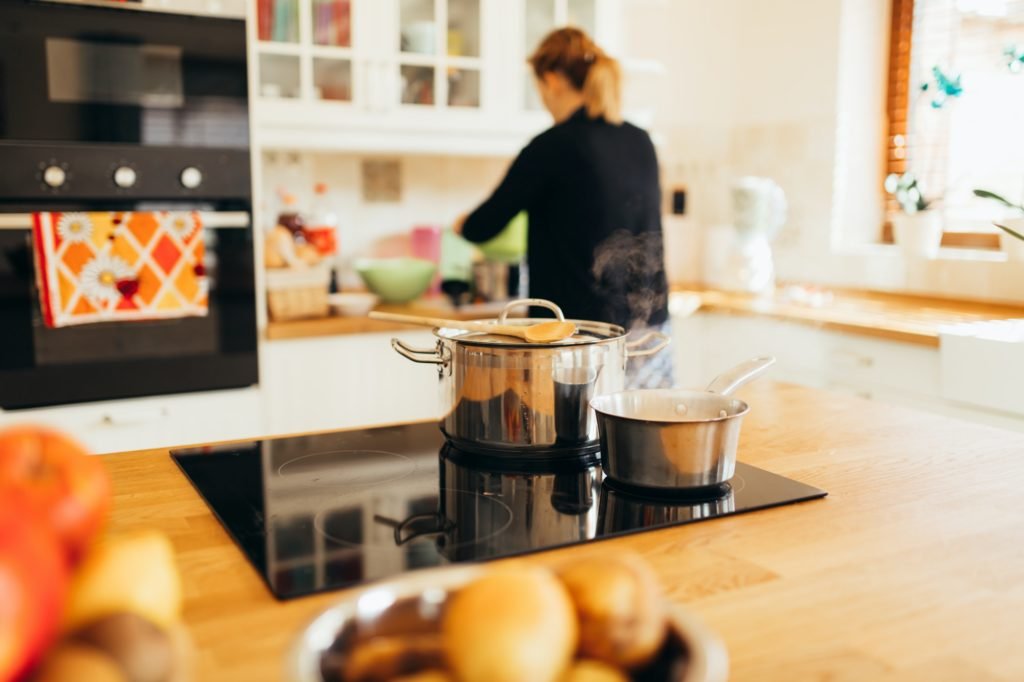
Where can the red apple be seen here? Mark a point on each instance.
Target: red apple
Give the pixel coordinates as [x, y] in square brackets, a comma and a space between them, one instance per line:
[34, 576]
[60, 482]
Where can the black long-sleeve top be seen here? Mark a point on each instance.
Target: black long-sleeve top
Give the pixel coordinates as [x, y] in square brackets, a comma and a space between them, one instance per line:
[595, 245]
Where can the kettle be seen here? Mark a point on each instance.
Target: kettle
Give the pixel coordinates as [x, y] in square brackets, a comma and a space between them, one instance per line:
[759, 212]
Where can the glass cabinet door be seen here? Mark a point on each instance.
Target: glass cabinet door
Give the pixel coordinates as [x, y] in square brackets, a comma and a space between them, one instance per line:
[331, 22]
[542, 17]
[305, 49]
[279, 75]
[278, 29]
[278, 20]
[582, 13]
[439, 61]
[330, 32]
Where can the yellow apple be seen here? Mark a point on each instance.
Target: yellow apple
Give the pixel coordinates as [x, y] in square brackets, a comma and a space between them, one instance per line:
[133, 573]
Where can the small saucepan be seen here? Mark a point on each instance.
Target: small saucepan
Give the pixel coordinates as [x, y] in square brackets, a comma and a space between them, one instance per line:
[667, 439]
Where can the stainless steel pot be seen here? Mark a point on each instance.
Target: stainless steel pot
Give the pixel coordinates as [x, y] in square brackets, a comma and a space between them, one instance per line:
[620, 512]
[503, 396]
[484, 513]
[670, 439]
[497, 280]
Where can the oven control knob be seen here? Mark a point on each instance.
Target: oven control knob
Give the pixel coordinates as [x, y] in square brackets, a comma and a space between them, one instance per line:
[191, 177]
[125, 177]
[54, 176]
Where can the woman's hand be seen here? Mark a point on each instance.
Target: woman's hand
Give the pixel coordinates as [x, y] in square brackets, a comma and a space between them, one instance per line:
[459, 222]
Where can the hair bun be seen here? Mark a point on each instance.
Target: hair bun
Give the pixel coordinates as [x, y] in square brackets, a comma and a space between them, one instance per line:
[571, 52]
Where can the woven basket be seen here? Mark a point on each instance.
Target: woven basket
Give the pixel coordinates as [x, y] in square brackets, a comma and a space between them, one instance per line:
[297, 293]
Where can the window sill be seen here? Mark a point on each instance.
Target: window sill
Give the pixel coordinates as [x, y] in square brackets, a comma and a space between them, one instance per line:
[946, 253]
[951, 238]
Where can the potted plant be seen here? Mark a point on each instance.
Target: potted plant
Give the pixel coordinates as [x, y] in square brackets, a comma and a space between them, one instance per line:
[915, 228]
[1011, 227]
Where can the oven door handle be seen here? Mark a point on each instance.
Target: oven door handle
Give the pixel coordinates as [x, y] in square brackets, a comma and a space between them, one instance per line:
[212, 219]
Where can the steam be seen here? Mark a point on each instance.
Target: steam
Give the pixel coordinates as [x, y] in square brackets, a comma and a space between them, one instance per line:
[631, 268]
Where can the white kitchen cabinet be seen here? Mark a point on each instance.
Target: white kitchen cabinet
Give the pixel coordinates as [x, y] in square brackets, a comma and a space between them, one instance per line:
[336, 382]
[892, 372]
[983, 364]
[378, 75]
[373, 56]
[153, 422]
[392, 83]
[707, 344]
[316, 384]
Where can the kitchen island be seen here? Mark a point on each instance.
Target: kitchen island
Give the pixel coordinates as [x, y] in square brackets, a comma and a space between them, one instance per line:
[911, 568]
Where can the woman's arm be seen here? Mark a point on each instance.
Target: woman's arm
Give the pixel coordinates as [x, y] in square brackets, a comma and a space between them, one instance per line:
[526, 178]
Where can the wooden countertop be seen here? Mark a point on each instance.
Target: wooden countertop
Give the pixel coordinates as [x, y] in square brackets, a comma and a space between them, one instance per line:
[899, 317]
[430, 306]
[911, 569]
[913, 319]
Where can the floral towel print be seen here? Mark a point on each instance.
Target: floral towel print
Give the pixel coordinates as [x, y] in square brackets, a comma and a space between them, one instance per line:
[107, 267]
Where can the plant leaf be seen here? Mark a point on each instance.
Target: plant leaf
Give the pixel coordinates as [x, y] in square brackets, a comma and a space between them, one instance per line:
[985, 194]
[1012, 233]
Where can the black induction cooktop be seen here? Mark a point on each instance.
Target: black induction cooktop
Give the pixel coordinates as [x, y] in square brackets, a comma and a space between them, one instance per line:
[329, 511]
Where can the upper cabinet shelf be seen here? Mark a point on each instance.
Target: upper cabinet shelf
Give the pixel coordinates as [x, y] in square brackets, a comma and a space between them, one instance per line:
[405, 76]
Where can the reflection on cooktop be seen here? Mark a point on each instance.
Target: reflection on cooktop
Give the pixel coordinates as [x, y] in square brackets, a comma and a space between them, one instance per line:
[329, 511]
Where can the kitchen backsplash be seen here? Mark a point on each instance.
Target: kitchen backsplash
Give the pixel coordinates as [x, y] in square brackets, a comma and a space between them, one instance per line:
[434, 190]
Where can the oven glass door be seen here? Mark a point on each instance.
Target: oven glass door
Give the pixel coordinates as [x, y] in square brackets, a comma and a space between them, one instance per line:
[42, 366]
[85, 74]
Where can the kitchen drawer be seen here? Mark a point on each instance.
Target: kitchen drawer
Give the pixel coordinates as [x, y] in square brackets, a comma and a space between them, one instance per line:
[711, 343]
[343, 381]
[905, 367]
[145, 423]
[982, 366]
[958, 381]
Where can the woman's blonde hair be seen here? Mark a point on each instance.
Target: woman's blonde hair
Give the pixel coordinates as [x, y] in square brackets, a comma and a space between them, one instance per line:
[572, 53]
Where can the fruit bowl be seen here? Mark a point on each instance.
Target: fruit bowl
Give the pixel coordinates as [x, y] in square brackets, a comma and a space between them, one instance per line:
[411, 606]
[396, 280]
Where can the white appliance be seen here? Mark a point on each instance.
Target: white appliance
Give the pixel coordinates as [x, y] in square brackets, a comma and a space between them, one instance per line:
[759, 212]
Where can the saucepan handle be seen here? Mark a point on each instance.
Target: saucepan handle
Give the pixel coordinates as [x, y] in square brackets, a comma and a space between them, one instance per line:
[632, 346]
[407, 530]
[539, 302]
[724, 384]
[438, 355]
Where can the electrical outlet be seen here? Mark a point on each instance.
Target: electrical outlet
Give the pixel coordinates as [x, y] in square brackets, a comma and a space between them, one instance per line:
[679, 201]
[382, 181]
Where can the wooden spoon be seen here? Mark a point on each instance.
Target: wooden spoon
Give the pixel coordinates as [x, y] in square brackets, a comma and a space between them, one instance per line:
[542, 332]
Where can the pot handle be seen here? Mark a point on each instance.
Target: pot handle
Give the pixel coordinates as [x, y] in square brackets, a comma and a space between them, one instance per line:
[438, 355]
[539, 302]
[407, 530]
[663, 341]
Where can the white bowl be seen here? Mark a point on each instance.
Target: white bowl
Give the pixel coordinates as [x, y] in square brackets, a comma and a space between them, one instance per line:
[353, 304]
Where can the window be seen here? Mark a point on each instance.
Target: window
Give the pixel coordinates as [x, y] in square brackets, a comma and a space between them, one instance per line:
[956, 107]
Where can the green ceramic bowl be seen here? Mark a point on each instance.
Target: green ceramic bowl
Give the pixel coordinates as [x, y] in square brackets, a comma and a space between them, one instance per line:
[396, 280]
[510, 244]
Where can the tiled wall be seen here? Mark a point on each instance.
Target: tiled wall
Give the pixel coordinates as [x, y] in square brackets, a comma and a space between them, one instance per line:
[434, 191]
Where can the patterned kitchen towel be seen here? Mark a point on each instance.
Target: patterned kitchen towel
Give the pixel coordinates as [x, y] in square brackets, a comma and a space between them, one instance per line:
[108, 267]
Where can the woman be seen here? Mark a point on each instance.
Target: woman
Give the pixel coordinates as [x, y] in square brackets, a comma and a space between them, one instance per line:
[590, 186]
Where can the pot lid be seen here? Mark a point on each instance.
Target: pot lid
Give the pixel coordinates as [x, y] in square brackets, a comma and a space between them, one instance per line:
[587, 332]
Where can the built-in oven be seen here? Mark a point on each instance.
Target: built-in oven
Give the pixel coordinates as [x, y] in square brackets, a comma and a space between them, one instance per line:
[125, 107]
